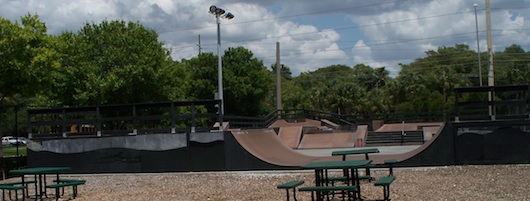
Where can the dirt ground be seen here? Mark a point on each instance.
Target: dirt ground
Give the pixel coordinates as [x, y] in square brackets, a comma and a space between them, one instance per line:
[491, 182]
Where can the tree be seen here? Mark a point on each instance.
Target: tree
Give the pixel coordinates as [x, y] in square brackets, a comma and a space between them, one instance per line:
[247, 83]
[512, 66]
[285, 71]
[114, 63]
[203, 73]
[370, 78]
[27, 60]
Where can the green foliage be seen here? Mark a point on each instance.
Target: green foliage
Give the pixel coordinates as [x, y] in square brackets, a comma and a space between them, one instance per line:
[26, 58]
[203, 73]
[114, 63]
[246, 82]
[10, 151]
[118, 62]
[285, 72]
[512, 67]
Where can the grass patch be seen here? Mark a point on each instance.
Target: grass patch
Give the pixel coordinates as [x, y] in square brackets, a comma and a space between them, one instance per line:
[12, 151]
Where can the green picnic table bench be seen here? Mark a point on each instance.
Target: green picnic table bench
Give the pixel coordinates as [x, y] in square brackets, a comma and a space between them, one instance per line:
[23, 183]
[62, 183]
[10, 188]
[327, 190]
[387, 180]
[290, 185]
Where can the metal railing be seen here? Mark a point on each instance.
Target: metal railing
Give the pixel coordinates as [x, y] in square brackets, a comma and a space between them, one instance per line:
[129, 119]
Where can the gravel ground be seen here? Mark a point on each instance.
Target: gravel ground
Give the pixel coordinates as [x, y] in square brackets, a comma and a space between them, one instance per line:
[492, 182]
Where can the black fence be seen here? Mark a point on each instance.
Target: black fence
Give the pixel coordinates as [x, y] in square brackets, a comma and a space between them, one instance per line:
[471, 103]
[131, 119]
[492, 103]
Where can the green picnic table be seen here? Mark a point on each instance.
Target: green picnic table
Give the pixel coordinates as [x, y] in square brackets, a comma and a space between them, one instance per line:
[39, 174]
[321, 172]
[344, 153]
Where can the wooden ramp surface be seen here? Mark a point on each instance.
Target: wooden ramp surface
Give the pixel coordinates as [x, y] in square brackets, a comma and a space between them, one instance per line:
[406, 126]
[306, 122]
[266, 145]
[328, 140]
[291, 135]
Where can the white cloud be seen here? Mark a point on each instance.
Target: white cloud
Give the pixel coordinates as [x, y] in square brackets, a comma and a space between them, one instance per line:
[387, 32]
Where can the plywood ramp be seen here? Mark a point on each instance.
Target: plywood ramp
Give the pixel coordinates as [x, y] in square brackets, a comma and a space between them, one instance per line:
[406, 126]
[328, 140]
[307, 122]
[290, 136]
[266, 145]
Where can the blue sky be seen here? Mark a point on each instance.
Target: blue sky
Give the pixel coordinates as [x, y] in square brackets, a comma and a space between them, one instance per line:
[312, 33]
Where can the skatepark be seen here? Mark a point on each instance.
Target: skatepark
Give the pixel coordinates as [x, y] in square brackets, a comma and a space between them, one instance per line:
[121, 141]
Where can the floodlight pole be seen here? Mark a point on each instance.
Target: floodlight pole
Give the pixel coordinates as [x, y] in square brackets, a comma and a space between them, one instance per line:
[219, 67]
[219, 12]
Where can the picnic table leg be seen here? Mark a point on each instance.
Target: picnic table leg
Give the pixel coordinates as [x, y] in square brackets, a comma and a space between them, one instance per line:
[319, 178]
[43, 187]
[37, 185]
[23, 183]
[42, 182]
[357, 182]
[368, 168]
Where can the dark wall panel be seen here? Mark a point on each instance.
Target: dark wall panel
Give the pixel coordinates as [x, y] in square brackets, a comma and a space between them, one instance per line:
[207, 156]
[507, 145]
[470, 148]
[114, 160]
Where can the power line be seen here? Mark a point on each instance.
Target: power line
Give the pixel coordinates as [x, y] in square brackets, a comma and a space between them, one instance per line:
[288, 16]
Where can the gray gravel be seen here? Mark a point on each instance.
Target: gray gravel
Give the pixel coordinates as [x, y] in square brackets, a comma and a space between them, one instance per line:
[492, 182]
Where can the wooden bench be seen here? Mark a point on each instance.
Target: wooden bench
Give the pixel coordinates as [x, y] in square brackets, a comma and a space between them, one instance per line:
[290, 185]
[10, 188]
[326, 190]
[386, 181]
[61, 184]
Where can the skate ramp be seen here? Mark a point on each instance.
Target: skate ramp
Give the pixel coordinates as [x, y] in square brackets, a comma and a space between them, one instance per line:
[266, 145]
[431, 151]
[405, 126]
[327, 140]
[306, 122]
[290, 136]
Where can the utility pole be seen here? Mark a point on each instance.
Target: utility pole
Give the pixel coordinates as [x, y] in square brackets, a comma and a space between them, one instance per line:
[200, 48]
[278, 78]
[478, 47]
[491, 80]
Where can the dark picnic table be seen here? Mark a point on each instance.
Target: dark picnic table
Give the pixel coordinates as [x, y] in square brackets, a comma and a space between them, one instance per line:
[344, 153]
[321, 172]
[39, 174]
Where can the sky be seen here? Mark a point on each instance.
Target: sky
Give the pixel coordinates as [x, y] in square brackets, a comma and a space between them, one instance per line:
[312, 33]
